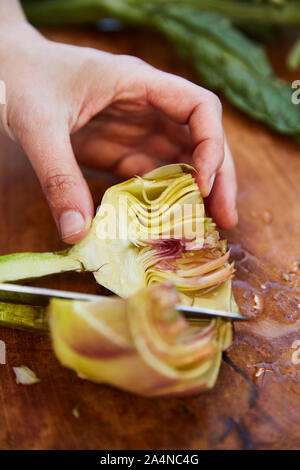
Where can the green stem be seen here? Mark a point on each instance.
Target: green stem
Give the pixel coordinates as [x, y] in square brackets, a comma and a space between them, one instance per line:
[20, 266]
[23, 317]
[287, 13]
[62, 12]
[228, 61]
[54, 12]
[293, 60]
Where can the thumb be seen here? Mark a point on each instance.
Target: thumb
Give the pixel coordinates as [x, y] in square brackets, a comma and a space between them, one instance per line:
[63, 184]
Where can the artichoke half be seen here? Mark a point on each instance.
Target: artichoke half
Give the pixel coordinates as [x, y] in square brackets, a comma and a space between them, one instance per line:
[139, 344]
[147, 231]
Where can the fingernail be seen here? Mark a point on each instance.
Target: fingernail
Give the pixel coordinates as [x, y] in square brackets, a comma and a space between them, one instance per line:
[71, 222]
[211, 182]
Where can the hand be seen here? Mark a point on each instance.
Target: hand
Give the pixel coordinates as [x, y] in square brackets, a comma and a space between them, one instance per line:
[114, 112]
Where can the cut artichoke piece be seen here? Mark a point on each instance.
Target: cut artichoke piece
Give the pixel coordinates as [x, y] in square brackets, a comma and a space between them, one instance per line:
[146, 230]
[140, 344]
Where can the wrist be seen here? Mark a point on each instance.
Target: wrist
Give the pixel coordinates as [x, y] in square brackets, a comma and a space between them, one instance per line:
[18, 41]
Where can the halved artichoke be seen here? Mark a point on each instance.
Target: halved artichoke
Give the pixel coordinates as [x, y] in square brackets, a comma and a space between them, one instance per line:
[146, 231]
[140, 344]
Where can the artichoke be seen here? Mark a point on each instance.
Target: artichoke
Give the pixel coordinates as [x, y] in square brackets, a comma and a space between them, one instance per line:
[139, 344]
[149, 231]
[146, 230]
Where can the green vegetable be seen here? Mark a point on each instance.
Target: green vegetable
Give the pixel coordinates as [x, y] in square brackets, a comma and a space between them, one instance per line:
[147, 230]
[87, 11]
[293, 60]
[30, 265]
[228, 61]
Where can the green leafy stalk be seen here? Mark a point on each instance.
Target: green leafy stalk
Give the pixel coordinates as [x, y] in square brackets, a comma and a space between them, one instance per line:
[72, 12]
[84, 11]
[242, 12]
[229, 62]
[293, 60]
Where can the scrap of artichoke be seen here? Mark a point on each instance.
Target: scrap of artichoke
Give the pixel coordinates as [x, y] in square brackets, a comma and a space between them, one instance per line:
[139, 344]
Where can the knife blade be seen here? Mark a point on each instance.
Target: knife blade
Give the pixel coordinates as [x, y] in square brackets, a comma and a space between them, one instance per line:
[16, 293]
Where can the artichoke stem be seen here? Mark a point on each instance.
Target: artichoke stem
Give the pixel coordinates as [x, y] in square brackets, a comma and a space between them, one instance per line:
[23, 317]
[21, 266]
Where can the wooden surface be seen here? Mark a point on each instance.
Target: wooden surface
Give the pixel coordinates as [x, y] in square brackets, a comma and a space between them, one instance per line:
[256, 402]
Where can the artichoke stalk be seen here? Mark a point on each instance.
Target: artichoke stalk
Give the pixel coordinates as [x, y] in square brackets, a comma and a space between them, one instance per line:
[149, 231]
[23, 317]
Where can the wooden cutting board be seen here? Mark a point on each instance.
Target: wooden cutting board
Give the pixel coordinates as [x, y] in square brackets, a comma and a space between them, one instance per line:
[256, 402]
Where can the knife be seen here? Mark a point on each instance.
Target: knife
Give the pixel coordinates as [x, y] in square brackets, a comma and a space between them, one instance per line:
[16, 293]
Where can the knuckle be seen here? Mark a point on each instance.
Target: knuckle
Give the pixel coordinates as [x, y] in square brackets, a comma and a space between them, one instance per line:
[92, 61]
[217, 149]
[132, 61]
[214, 99]
[58, 184]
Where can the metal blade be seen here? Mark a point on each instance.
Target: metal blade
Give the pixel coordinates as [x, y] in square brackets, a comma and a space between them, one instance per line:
[41, 296]
[196, 312]
[38, 295]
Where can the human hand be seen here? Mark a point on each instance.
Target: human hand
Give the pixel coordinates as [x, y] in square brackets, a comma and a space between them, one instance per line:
[114, 112]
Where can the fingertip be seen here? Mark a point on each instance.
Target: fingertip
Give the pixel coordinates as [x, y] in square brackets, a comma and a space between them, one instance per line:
[229, 220]
[222, 200]
[223, 212]
[73, 226]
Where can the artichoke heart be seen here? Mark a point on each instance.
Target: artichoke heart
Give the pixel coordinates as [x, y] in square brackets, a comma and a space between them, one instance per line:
[154, 229]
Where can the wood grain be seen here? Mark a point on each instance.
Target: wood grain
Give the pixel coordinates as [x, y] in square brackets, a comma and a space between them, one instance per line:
[256, 402]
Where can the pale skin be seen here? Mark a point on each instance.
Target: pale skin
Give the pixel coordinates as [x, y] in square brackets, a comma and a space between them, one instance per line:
[69, 106]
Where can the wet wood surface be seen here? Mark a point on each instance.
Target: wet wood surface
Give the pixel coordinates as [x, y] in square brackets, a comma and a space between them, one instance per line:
[256, 401]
